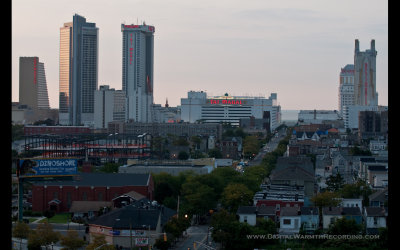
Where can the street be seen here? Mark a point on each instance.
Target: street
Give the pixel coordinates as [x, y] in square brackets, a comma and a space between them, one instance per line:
[269, 147]
[195, 234]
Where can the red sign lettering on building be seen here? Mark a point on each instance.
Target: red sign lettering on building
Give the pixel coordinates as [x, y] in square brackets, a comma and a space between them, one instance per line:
[131, 26]
[226, 102]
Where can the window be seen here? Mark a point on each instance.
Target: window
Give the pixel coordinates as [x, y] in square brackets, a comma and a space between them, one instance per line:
[245, 218]
[100, 196]
[55, 195]
[84, 196]
[375, 220]
[278, 207]
[286, 221]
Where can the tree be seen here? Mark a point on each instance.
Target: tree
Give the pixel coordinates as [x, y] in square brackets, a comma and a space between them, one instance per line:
[46, 234]
[251, 146]
[183, 155]
[215, 153]
[334, 182]
[198, 198]
[21, 230]
[162, 244]
[110, 167]
[236, 195]
[72, 240]
[34, 241]
[326, 199]
[99, 240]
[344, 226]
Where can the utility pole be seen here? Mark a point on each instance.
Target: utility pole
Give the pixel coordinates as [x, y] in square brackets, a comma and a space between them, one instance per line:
[178, 209]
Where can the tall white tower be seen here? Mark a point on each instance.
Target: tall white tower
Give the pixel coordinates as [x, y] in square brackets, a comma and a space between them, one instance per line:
[137, 70]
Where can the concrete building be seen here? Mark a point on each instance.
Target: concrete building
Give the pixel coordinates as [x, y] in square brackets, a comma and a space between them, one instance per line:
[372, 124]
[32, 83]
[198, 107]
[78, 71]
[346, 87]
[163, 129]
[166, 114]
[351, 114]
[365, 76]
[109, 106]
[137, 70]
[317, 116]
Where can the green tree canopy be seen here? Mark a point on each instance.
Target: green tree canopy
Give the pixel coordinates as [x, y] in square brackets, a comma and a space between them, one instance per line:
[236, 195]
[72, 240]
[334, 182]
[21, 230]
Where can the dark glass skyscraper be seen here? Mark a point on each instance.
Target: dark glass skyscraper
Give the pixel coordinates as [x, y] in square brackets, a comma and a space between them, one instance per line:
[137, 70]
[78, 71]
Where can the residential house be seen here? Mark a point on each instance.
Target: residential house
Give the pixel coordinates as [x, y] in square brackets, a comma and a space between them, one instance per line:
[379, 198]
[377, 175]
[266, 212]
[351, 202]
[88, 209]
[309, 219]
[247, 214]
[375, 218]
[375, 146]
[331, 214]
[290, 220]
[342, 163]
[297, 171]
[142, 219]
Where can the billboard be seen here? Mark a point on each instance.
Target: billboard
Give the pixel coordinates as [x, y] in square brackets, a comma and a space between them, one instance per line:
[47, 167]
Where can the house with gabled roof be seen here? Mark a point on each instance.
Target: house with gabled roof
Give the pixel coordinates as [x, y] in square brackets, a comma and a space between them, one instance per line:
[143, 220]
[331, 214]
[290, 220]
[375, 218]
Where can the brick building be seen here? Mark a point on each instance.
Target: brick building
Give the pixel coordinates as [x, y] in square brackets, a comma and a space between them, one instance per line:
[59, 195]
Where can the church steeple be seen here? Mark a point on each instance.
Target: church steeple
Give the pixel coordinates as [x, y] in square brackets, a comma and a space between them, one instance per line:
[166, 103]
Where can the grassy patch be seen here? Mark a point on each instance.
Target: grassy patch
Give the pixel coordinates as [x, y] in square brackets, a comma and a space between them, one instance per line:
[59, 218]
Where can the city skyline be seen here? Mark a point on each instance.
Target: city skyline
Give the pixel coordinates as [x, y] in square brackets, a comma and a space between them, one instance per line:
[293, 49]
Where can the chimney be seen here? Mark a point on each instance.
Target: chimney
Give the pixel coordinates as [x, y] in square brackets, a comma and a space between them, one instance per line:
[372, 45]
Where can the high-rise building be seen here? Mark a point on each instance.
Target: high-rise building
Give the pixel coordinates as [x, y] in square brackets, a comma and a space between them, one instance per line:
[346, 87]
[32, 83]
[137, 70]
[365, 76]
[78, 71]
[109, 106]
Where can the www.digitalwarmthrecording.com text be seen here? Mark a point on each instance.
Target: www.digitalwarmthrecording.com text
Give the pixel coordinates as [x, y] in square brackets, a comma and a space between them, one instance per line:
[311, 237]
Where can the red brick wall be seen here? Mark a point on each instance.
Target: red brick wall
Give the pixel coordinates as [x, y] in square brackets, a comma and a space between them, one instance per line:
[41, 196]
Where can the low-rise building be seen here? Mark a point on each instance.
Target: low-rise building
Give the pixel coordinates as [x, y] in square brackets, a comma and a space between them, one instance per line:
[58, 195]
[375, 218]
[309, 219]
[290, 220]
[247, 214]
[379, 198]
[331, 214]
[142, 220]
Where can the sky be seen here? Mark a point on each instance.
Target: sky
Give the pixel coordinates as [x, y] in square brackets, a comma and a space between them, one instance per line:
[244, 48]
